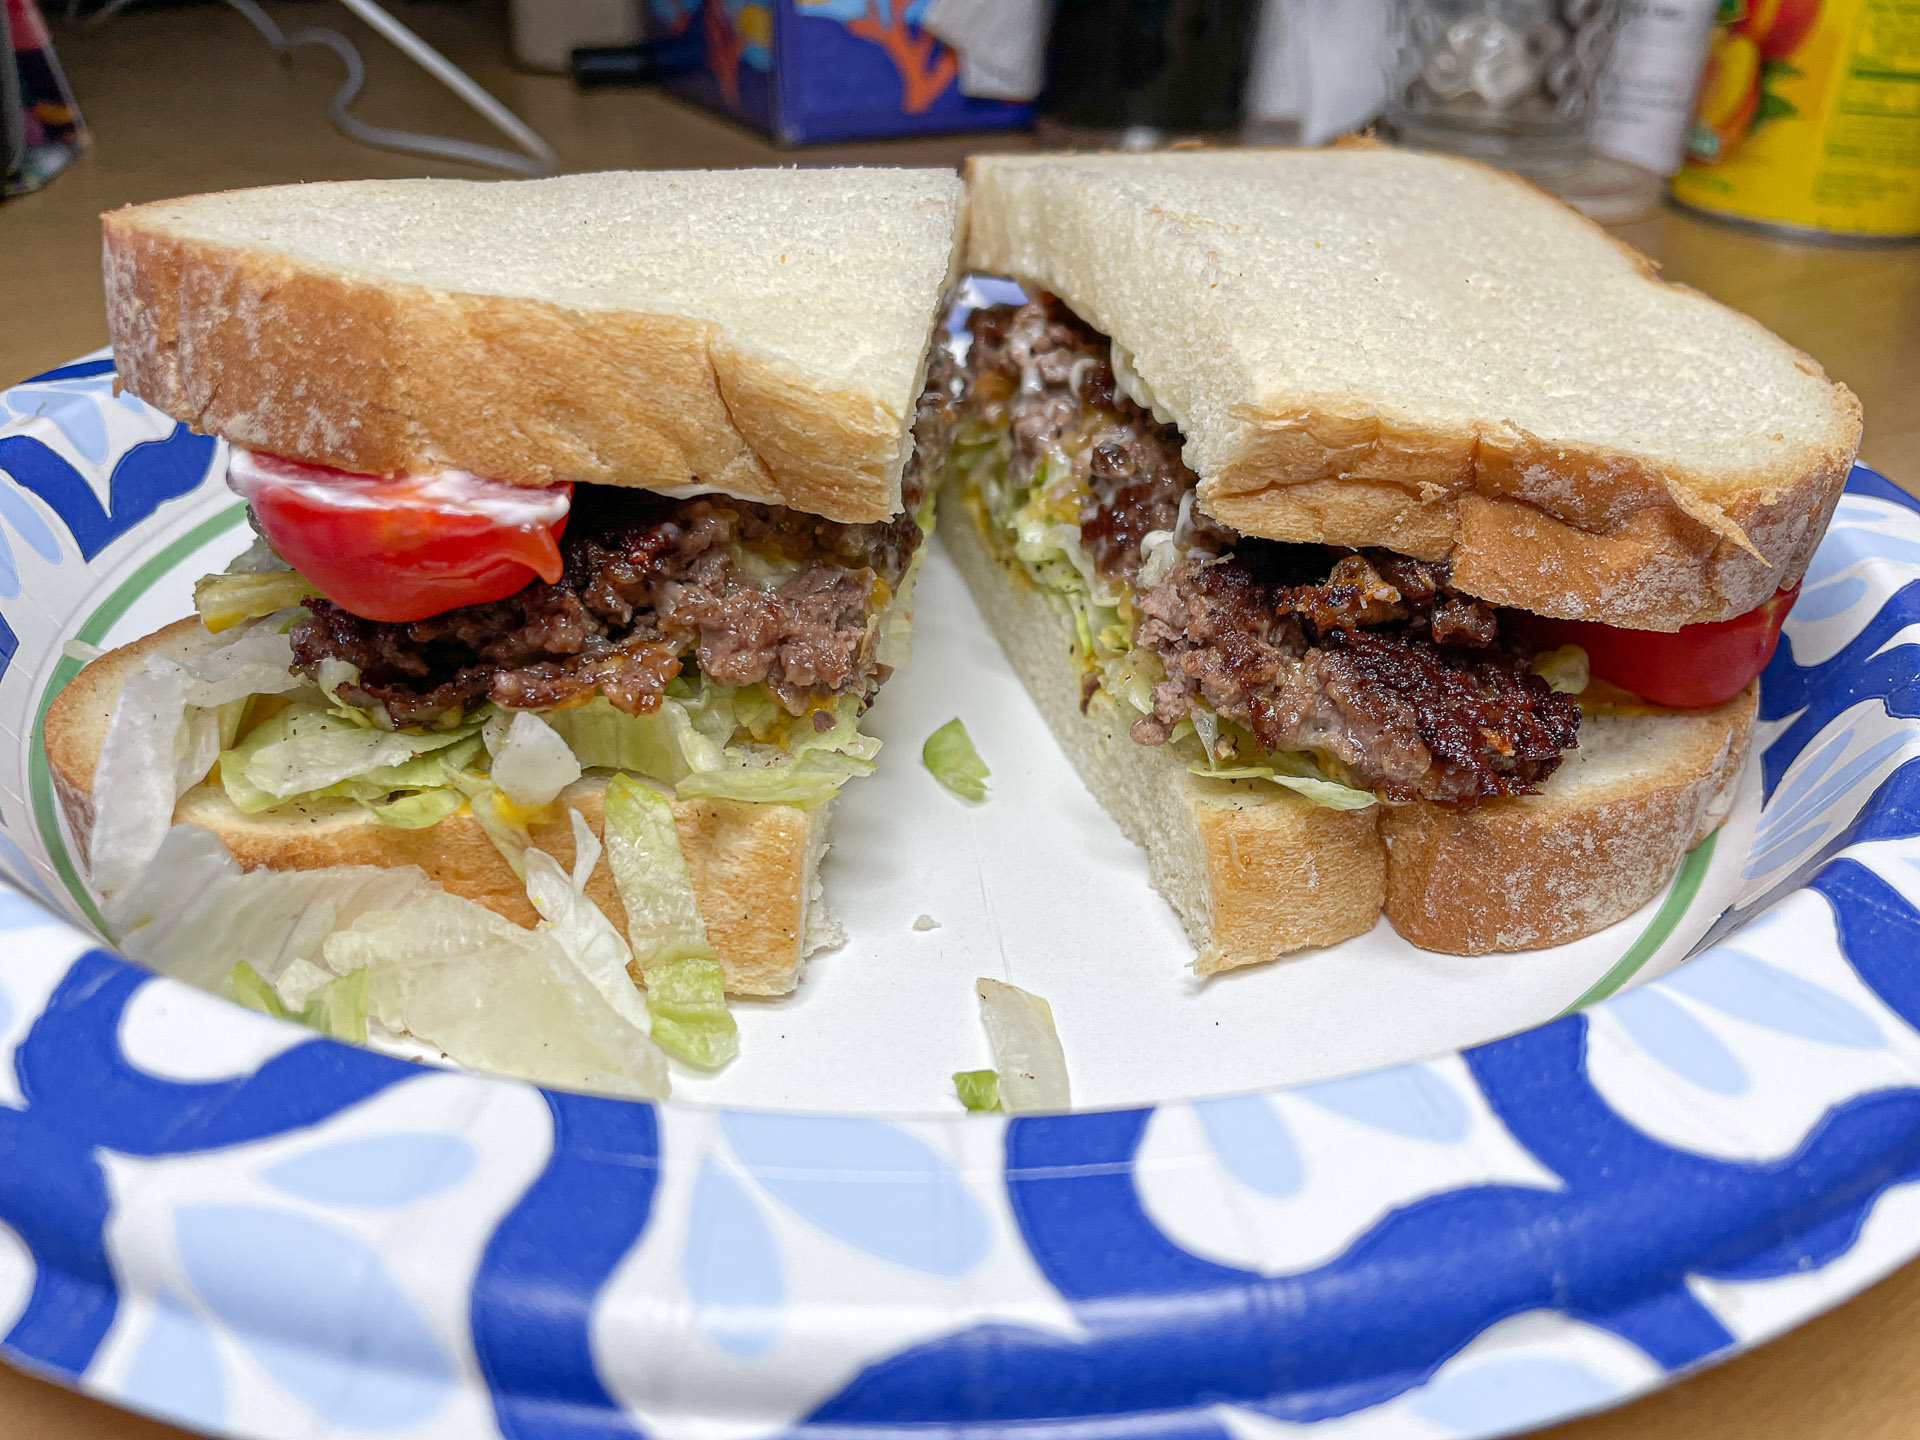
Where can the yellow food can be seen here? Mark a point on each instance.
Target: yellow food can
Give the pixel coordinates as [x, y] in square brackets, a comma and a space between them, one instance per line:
[1808, 118]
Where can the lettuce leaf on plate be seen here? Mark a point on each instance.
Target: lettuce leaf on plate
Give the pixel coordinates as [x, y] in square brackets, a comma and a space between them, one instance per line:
[686, 987]
[495, 996]
[687, 998]
[1027, 1057]
[171, 717]
[950, 755]
[979, 1090]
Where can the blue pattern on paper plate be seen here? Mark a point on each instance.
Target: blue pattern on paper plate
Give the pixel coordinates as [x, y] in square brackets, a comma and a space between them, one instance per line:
[1607, 1175]
[731, 1266]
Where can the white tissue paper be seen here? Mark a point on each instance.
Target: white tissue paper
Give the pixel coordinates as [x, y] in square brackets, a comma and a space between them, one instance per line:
[1002, 44]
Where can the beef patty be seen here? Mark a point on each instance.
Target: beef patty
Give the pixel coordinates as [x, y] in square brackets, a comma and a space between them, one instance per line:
[753, 593]
[1365, 656]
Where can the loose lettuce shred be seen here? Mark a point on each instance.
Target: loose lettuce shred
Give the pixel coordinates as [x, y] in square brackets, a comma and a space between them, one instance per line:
[531, 763]
[707, 739]
[225, 600]
[165, 733]
[979, 1090]
[1039, 523]
[650, 872]
[487, 992]
[950, 755]
[309, 754]
[686, 988]
[337, 1008]
[688, 1001]
[192, 913]
[581, 927]
[1027, 1058]
[495, 996]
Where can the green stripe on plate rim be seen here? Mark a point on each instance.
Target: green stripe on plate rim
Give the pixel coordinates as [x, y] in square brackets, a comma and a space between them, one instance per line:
[1686, 885]
[92, 630]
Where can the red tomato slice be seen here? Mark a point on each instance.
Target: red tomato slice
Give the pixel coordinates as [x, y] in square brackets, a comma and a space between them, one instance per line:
[404, 548]
[1695, 666]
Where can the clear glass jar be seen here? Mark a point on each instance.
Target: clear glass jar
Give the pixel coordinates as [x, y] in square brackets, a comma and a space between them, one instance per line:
[1507, 81]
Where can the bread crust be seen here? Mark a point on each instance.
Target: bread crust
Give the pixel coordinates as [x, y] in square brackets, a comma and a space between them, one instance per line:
[1535, 527]
[1255, 872]
[1567, 530]
[1538, 870]
[308, 361]
[1332, 861]
[753, 866]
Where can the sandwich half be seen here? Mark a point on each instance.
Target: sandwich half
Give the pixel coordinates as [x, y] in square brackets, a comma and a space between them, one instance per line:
[1377, 534]
[553, 482]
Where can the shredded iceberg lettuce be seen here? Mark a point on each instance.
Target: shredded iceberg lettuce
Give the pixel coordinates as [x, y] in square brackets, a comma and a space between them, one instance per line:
[337, 1008]
[812, 766]
[305, 749]
[225, 600]
[419, 810]
[495, 996]
[162, 735]
[308, 754]
[950, 755]
[650, 872]
[1031, 1066]
[330, 945]
[894, 646]
[1298, 771]
[686, 987]
[688, 1001]
[689, 743]
[582, 927]
[1042, 519]
[664, 745]
[137, 778]
[192, 913]
[532, 763]
[979, 1090]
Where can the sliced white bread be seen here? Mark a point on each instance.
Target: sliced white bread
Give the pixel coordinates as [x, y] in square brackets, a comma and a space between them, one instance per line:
[1255, 872]
[1252, 872]
[1601, 839]
[755, 868]
[761, 332]
[1366, 346]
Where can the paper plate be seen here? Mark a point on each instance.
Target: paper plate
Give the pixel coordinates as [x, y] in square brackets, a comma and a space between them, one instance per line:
[1442, 1228]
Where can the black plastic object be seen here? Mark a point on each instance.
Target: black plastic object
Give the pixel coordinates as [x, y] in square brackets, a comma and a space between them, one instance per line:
[13, 124]
[598, 66]
[1174, 66]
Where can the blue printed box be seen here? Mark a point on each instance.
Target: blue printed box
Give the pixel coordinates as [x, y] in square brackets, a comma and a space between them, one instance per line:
[809, 72]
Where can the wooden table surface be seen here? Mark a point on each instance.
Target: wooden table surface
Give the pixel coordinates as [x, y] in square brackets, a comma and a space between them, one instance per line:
[183, 100]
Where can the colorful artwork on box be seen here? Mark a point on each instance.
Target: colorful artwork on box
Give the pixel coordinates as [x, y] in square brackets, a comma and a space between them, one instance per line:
[809, 71]
[926, 66]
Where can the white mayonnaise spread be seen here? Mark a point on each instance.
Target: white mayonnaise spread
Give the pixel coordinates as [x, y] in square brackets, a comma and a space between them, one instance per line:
[510, 506]
[1132, 386]
[690, 492]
